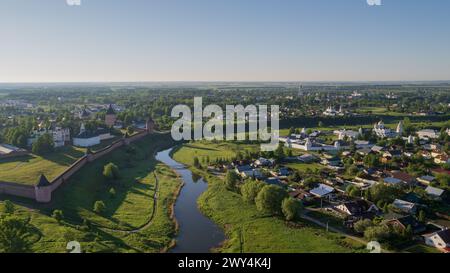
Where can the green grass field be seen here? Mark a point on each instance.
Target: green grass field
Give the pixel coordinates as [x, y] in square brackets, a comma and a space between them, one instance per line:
[27, 169]
[130, 209]
[203, 149]
[261, 233]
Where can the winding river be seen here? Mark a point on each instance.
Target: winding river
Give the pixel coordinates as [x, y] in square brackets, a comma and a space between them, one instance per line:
[197, 233]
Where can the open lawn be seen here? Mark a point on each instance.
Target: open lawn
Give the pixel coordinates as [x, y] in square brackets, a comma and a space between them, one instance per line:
[422, 249]
[261, 233]
[124, 225]
[27, 169]
[204, 149]
[305, 166]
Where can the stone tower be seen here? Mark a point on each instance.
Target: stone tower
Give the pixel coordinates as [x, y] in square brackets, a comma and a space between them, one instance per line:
[43, 190]
[110, 117]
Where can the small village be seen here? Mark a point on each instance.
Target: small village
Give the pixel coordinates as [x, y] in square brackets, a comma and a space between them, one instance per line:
[393, 185]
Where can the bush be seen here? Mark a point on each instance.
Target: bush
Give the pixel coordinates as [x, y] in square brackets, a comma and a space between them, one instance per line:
[362, 225]
[112, 193]
[250, 190]
[99, 207]
[14, 235]
[58, 215]
[291, 208]
[197, 163]
[8, 207]
[377, 233]
[111, 171]
[231, 180]
[269, 199]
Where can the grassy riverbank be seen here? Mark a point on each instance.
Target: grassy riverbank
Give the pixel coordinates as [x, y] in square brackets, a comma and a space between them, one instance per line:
[123, 226]
[260, 233]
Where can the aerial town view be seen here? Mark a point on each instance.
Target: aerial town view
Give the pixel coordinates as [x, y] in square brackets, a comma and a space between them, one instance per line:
[159, 134]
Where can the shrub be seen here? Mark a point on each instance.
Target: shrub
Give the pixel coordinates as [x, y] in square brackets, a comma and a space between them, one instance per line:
[58, 215]
[111, 171]
[8, 207]
[99, 207]
[269, 199]
[250, 190]
[291, 208]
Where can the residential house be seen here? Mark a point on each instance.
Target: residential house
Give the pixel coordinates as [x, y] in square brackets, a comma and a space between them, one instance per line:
[426, 179]
[363, 144]
[322, 191]
[439, 240]
[392, 181]
[435, 193]
[300, 194]
[403, 222]
[428, 134]
[404, 177]
[307, 158]
[357, 208]
[405, 206]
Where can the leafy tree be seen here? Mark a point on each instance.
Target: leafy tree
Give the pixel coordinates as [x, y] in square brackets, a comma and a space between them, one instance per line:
[231, 180]
[111, 171]
[112, 193]
[58, 215]
[421, 216]
[372, 160]
[279, 152]
[269, 199]
[8, 207]
[377, 233]
[130, 130]
[251, 189]
[386, 194]
[14, 235]
[99, 207]
[291, 208]
[197, 163]
[362, 225]
[43, 145]
[291, 131]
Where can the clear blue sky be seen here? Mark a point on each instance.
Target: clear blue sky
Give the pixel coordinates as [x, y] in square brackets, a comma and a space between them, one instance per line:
[224, 40]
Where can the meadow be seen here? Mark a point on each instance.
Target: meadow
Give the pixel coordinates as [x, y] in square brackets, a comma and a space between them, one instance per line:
[27, 169]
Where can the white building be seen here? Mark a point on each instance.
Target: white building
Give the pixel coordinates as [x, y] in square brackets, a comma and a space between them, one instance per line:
[86, 138]
[440, 240]
[60, 135]
[309, 145]
[346, 133]
[330, 111]
[384, 132]
[427, 134]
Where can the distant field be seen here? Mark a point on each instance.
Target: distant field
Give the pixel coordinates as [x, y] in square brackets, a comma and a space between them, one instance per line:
[261, 234]
[285, 131]
[205, 149]
[27, 169]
